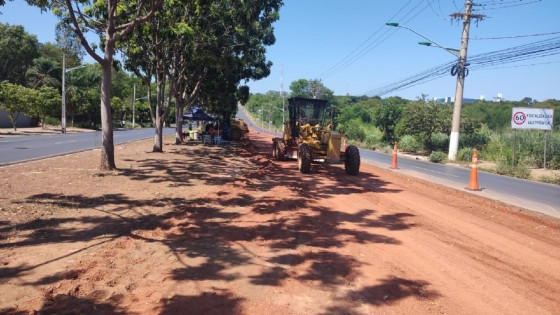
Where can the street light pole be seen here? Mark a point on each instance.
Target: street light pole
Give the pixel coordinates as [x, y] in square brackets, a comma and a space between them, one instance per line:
[461, 73]
[133, 105]
[64, 71]
[63, 118]
[460, 70]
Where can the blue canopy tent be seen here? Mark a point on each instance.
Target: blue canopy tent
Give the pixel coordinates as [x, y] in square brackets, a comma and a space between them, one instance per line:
[197, 114]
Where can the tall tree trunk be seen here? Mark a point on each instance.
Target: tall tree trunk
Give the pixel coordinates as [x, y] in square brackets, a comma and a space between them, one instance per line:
[159, 115]
[107, 149]
[179, 120]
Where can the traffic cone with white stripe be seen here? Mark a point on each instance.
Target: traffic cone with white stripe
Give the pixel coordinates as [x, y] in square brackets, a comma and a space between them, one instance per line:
[394, 162]
[473, 183]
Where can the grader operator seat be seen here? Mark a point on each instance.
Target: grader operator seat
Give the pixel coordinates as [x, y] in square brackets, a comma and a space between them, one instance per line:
[307, 111]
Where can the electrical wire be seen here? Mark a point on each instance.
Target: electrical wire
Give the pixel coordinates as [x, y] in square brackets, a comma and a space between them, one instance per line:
[373, 40]
[516, 36]
[502, 4]
[534, 50]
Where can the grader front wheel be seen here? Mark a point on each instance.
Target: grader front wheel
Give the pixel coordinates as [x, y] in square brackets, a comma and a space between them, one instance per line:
[304, 158]
[352, 160]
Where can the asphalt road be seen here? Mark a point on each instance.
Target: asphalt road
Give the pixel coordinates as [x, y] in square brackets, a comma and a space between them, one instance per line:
[530, 195]
[32, 147]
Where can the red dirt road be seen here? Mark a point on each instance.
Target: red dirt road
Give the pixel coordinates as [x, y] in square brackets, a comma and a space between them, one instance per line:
[237, 233]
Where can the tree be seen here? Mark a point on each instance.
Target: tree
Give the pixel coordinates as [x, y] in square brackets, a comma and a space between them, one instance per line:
[421, 119]
[113, 19]
[18, 49]
[82, 94]
[311, 89]
[44, 102]
[200, 53]
[44, 72]
[386, 117]
[13, 99]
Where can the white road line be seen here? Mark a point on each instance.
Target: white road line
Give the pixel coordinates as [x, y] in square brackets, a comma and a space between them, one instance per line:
[66, 142]
[429, 170]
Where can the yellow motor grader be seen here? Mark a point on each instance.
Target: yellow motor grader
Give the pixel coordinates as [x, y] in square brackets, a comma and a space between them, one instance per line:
[309, 136]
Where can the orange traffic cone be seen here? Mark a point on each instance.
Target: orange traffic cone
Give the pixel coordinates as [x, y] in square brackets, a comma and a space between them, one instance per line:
[394, 163]
[344, 145]
[473, 183]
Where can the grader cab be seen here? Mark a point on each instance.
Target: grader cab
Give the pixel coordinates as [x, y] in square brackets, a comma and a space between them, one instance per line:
[309, 136]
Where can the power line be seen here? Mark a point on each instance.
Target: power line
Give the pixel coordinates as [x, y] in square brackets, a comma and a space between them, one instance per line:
[515, 36]
[366, 47]
[504, 4]
[534, 50]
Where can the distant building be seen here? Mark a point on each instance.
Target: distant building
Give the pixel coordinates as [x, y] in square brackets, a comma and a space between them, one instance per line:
[465, 99]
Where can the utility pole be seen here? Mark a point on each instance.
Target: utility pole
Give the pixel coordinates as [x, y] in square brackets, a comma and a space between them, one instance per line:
[133, 105]
[63, 115]
[461, 70]
[282, 94]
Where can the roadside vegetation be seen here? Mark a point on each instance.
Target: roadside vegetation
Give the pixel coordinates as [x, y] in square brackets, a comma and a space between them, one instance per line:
[169, 56]
[422, 127]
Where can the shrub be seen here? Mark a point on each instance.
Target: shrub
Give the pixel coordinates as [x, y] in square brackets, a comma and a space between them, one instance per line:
[355, 132]
[439, 141]
[465, 154]
[474, 140]
[519, 171]
[51, 121]
[409, 144]
[387, 149]
[554, 179]
[373, 138]
[438, 157]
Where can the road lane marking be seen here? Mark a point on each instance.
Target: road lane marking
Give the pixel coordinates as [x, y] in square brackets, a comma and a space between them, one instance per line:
[429, 170]
[66, 141]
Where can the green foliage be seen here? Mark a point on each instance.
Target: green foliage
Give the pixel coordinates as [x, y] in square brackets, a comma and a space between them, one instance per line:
[373, 137]
[409, 143]
[421, 119]
[354, 131]
[47, 102]
[553, 179]
[310, 89]
[439, 142]
[474, 140]
[386, 117]
[18, 49]
[15, 99]
[465, 154]
[267, 107]
[51, 121]
[438, 157]
[519, 171]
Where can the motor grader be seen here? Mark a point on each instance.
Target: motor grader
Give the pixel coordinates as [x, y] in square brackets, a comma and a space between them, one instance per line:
[309, 137]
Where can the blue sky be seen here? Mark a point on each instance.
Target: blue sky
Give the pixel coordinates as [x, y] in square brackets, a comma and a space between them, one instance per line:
[313, 36]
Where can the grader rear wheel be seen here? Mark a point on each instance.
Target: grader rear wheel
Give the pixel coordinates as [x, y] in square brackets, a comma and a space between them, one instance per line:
[304, 158]
[274, 149]
[281, 150]
[235, 133]
[352, 160]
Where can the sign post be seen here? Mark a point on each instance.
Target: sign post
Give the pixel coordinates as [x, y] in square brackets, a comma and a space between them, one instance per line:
[532, 119]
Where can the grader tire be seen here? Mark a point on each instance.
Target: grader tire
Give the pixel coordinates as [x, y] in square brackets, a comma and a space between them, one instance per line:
[274, 149]
[304, 158]
[235, 133]
[352, 160]
[281, 150]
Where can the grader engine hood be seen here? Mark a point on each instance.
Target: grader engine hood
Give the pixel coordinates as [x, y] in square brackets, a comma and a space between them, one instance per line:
[323, 140]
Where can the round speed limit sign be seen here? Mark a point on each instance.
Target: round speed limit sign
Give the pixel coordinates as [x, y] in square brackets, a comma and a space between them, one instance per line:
[519, 118]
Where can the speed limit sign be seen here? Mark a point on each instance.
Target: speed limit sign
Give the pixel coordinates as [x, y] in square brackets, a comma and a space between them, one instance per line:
[519, 118]
[532, 118]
